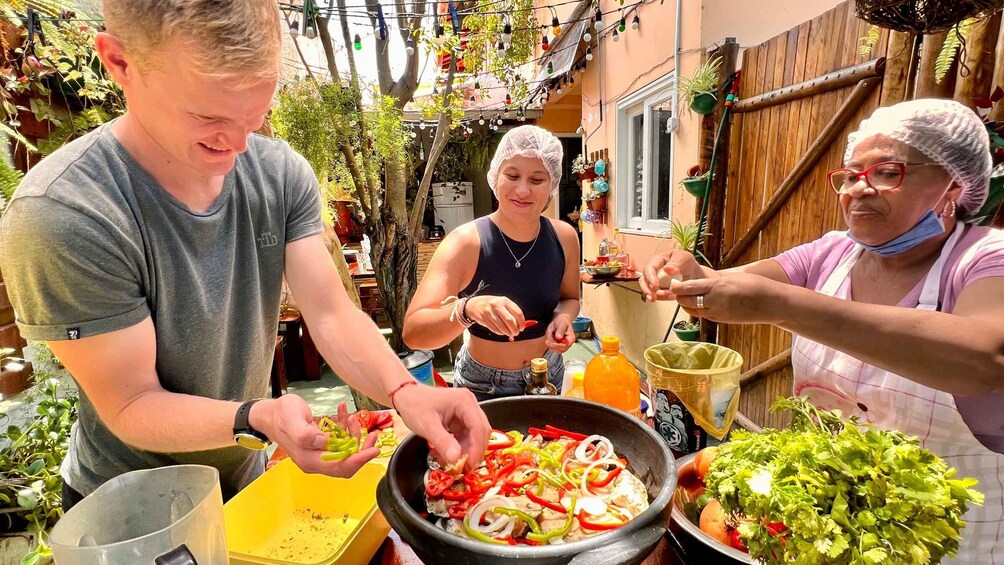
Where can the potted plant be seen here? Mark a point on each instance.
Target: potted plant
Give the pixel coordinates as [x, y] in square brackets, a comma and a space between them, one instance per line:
[685, 236]
[696, 182]
[698, 91]
[582, 169]
[686, 330]
[30, 485]
[595, 200]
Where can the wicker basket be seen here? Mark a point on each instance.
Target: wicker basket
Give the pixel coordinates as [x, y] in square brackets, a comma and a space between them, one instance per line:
[923, 16]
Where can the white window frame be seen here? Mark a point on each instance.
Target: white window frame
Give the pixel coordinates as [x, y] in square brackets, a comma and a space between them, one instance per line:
[631, 106]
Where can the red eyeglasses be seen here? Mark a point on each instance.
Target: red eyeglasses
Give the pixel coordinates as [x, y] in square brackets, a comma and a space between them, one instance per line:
[880, 176]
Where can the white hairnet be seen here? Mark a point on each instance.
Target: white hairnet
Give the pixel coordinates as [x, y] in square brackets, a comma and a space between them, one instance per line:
[528, 141]
[948, 133]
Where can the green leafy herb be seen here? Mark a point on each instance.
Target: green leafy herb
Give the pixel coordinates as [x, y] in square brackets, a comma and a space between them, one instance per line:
[847, 493]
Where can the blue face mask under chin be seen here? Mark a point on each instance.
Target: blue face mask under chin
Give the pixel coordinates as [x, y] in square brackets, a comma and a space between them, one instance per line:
[928, 226]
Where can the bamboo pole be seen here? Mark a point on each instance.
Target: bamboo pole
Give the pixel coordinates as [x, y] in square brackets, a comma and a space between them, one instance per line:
[981, 45]
[819, 85]
[775, 363]
[819, 147]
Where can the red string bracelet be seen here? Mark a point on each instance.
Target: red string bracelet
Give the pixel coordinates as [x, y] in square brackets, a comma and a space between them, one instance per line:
[398, 389]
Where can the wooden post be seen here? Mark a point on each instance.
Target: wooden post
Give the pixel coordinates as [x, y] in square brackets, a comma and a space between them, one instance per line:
[775, 363]
[925, 86]
[819, 85]
[901, 62]
[998, 112]
[729, 52]
[819, 147]
[981, 45]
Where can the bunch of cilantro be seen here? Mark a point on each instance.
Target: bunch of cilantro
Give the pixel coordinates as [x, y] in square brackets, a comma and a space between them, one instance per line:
[847, 494]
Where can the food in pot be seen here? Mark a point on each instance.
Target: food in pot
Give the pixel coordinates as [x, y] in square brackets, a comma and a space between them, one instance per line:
[551, 486]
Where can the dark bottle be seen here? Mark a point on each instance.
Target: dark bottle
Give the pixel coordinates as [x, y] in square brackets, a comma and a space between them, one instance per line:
[539, 385]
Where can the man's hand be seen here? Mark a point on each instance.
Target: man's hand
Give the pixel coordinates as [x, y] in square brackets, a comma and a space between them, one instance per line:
[449, 418]
[560, 336]
[675, 264]
[287, 420]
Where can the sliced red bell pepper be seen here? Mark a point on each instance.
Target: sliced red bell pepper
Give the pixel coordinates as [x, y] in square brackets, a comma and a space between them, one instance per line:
[439, 481]
[508, 540]
[529, 324]
[525, 541]
[591, 523]
[545, 503]
[457, 494]
[499, 440]
[459, 511]
[606, 480]
[574, 435]
[546, 434]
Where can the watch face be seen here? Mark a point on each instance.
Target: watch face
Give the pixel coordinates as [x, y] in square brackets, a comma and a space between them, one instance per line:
[250, 441]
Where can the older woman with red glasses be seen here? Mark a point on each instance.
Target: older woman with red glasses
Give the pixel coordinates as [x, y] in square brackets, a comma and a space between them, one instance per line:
[900, 319]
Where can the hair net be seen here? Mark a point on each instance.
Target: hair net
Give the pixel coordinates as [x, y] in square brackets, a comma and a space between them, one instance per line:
[948, 133]
[528, 141]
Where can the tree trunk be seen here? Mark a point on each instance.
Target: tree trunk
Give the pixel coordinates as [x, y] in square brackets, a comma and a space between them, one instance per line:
[395, 259]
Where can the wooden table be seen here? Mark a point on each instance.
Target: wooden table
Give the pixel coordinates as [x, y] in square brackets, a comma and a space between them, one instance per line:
[617, 280]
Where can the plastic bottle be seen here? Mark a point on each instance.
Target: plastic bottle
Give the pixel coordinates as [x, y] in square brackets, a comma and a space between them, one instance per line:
[577, 390]
[612, 380]
[540, 385]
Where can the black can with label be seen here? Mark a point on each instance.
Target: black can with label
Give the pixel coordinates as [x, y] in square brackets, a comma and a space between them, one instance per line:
[676, 425]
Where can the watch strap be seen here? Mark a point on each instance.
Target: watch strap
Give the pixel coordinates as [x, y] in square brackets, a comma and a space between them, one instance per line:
[242, 423]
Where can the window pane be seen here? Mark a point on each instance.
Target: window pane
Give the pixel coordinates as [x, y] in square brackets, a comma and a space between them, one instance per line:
[662, 175]
[638, 166]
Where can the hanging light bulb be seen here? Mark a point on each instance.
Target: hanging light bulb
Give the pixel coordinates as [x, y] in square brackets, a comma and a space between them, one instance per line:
[477, 85]
[294, 29]
[473, 100]
[357, 42]
[544, 44]
[550, 67]
[598, 24]
[507, 33]
[440, 30]
[616, 37]
[635, 22]
[571, 79]
[501, 48]
[409, 48]
[414, 134]
[421, 124]
[587, 37]
[508, 99]
[555, 26]
[310, 32]
[499, 121]
[481, 118]
[622, 25]
[589, 54]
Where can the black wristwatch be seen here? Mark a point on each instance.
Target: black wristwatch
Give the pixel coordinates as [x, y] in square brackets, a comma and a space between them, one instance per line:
[244, 434]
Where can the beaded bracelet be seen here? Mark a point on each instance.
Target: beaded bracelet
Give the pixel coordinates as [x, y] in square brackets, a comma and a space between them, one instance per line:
[398, 389]
[467, 322]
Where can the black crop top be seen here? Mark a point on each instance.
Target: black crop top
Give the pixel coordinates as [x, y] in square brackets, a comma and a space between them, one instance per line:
[535, 286]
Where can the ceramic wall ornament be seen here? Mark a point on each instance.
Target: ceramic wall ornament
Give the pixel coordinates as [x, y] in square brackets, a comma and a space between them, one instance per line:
[600, 167]
[601, 185]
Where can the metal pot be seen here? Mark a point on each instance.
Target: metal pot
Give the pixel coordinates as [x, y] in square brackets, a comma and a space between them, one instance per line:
[400, 493]
[699, 545]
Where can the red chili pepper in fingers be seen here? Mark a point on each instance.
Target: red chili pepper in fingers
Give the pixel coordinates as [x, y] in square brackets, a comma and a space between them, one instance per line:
[529, 324]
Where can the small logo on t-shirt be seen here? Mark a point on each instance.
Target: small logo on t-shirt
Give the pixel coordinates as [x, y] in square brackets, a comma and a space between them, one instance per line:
[267, 239]
[72, 333]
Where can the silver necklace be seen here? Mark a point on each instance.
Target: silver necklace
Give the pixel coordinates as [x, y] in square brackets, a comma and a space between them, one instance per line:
[519, 261]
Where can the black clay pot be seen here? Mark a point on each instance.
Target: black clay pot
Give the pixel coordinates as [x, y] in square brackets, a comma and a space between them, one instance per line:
[400, 493]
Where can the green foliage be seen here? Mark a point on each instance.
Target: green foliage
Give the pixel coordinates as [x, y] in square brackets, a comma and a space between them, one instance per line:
[9, 179]
[704, 79]
[847, 493]
[685, 236]
[869, 41]
[953, 42]
[686, 325]
[487, 24]
[30, 485]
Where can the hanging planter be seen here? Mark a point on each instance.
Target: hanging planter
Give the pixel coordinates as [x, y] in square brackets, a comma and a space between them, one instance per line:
[704, 103]
[922, 16]
[696, 183]
[687, 331]
[598, 204]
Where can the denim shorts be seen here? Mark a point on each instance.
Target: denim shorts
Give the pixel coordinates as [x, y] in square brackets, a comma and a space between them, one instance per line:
[488, 382]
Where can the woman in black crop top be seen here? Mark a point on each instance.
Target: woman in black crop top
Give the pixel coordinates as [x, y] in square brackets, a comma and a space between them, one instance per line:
[512, 277]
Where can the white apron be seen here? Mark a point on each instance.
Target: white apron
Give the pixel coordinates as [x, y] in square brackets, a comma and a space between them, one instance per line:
[832, 379]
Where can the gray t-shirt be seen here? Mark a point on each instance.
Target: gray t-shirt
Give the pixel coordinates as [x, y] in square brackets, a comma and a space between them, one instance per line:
[91, 243]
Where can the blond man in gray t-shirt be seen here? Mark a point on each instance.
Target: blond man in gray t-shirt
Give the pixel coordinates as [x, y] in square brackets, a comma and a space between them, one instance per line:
[150, 253]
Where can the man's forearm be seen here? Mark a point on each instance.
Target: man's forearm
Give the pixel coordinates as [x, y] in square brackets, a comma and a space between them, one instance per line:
[359, 354]
[168, 422]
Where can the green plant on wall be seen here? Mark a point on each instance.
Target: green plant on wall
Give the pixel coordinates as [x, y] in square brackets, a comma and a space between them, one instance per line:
[950, 49]
[703, 81]
[30, 485]
[685, 236]
[9, 179]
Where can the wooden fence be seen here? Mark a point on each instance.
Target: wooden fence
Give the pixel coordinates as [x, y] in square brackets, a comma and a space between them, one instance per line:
[801, 93]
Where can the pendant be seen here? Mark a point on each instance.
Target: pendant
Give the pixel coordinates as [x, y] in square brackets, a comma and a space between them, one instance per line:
[517, 264]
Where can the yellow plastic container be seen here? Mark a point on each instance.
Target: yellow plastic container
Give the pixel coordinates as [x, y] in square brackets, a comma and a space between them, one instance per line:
[288, 516]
